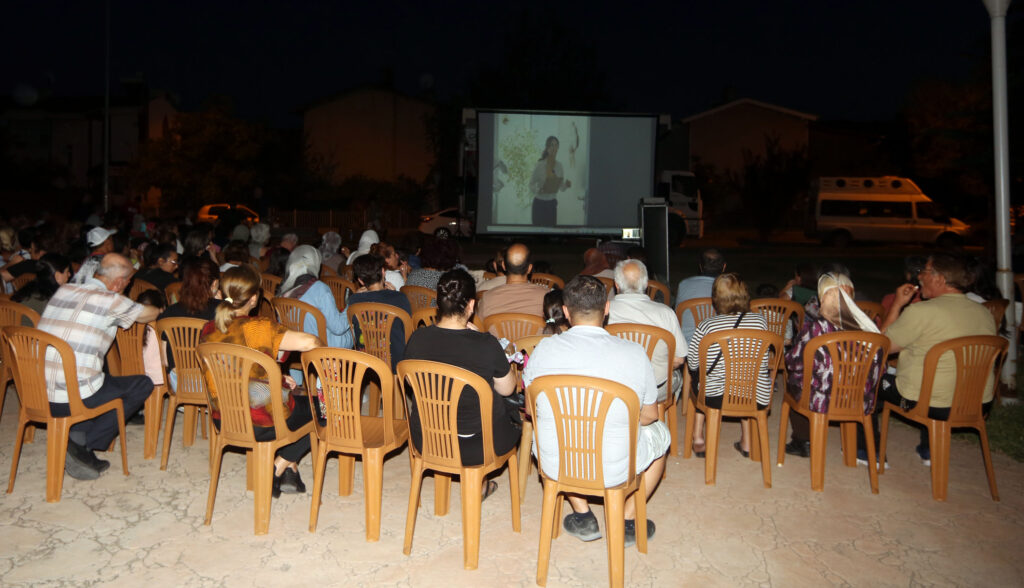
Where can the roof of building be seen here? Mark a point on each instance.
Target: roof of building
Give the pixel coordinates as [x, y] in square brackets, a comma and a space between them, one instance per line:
[750, 101]
[359, 89]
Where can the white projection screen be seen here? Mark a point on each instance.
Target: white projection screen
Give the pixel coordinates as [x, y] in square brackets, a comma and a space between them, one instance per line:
[562, 173]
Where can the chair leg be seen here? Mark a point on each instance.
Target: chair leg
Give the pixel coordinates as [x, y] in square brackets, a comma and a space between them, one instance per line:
[673, 428]
[869, 440]
[938, 438]
[188, 430]
[120, 430]
[172, 410]
[557, 528]
[987, 455]
[615, 536]
[783, 429]
[688, 435]
[524, 459]
[414, 501]
[442, 493]
[883, 438]
[56, 452]
[373, 487]
[218, 454]
[151, 434]
[762, 434]
[640, 503]
[249, 471]
[263, 459]
[712, 424]
[819, 447]
[547, 523]
[513, 486]
[848, 439]
[319, 471]
[470, 482]
[22, 422]
[346, 474]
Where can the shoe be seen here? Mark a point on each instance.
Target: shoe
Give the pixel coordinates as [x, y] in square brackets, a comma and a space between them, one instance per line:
[739, 448]
[275, 488]
[291, 482]
[582, 525]
[699, 452]
[77, 463]
[925, 454]
[798, 448]
[137, 419]
[862, 458]
[631, 531]
[489, 489]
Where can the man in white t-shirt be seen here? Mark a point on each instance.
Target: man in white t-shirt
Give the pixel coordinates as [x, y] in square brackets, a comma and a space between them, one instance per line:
[588, 350]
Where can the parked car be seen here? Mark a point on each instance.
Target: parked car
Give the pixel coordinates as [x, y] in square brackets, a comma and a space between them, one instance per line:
[446, 223]
[211, 212]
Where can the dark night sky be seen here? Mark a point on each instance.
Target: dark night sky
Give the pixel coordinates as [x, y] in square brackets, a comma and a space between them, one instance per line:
[835, 58]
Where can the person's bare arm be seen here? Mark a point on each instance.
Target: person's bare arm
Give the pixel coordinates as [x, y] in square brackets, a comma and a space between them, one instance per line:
[148, 314]
[677, 362]
[6, 275]
[649, 413]
[904, 294]
[299, 341]
[506, 384]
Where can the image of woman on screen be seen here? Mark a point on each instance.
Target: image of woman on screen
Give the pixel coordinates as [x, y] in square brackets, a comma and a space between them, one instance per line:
[547, 181]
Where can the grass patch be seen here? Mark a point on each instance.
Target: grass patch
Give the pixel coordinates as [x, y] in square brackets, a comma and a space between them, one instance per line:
[1005, 431]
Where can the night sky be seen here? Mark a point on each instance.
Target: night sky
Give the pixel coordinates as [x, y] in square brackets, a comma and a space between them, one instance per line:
[852, 59]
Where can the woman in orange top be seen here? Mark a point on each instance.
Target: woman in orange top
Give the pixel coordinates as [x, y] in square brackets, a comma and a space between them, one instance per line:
[240, 287]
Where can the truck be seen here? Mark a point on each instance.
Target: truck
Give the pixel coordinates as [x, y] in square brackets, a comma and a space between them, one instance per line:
[685, 207]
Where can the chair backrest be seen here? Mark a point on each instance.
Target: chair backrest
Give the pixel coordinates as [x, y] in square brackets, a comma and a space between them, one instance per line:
[997, 307]
[514, 325]
[699, 308]
[978, 358]
[227, 367]
[339, 374]
[292, 313]
[19, 282]
[655, 287]
[579, 407]
[420, 297]
[856, 356]
[548, 280]
[12, 313]
[173, 292]
[437, 388]
[182, 336]
[874, 310]
[25, 353]
[528, 343]
[269, 283]
[424, 317]
[327, 271]
[609, 284]
[648, 337]
[744, 353]
[375, 320]
[489, 275]
[129, 344]
[139, 286]
[341, 288]
[778, 312]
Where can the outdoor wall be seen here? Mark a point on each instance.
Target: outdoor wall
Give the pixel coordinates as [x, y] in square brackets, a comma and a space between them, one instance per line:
[719, 137]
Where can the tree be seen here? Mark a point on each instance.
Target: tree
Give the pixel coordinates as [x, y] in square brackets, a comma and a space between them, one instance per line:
[770, 184]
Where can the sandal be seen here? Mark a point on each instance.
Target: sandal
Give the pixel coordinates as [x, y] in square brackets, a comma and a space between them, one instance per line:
[699, 452]
[739, 448]
[491, 488]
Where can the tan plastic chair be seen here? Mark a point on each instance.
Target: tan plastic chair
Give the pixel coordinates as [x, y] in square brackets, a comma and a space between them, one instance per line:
[743, 352]
[655, 287]
[129, 343]
[437, 388]
[699, 308]
[998, 309]
[853, 356]
[420, 297]
[580, 436]
[341, 288]
[609, 284]
[514, 325]
[182, 336]
[526, 345]
[139, 286]
[12, 315]
[977, 359]
[778, 313]
[547, 280]
[269, 284]
[340, 372]
[228, 368]
[424, 317]
[374, 320]
[173, 292]
[26, 347]
[874, 310]
[648, 337]
[291, 312]
[21, 281]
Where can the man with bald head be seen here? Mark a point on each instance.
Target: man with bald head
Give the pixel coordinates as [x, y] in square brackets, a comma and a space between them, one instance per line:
[518, 294]
[632, 305]
[87, 317]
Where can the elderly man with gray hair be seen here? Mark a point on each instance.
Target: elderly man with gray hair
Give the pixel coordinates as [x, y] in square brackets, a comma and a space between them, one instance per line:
[632, 305]
[87, 317]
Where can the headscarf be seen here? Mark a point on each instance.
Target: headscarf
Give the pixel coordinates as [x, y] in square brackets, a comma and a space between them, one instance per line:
[368, 238]
[303, 261]
[329, 246]
[594, 262]
[849, 315]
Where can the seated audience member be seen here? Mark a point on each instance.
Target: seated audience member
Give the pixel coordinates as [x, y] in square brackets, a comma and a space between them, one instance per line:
[453, 341]
[87, 317]
[812, 310]
[632, 305]
[436, 257]
[518, 294]
[801, 287]
[912, 266]
[151, 360]
[200, 291]
[944, 314]
[767, 291]
[278, 261]
[838, 313]
[638, 253]
[392, 264]
[289, 241]
[555, 322]
[240, 293]
[259, 236]
[43, 241]
[165, 264]
[52, 271]
[301, 282]
[366, 240]
[99, 243]
[596, 264]
[329, 254]
[710, 264]
[369, 273]
[588, 350]
[495, 266]
[235, 254]
[199, 242]
[731, 300]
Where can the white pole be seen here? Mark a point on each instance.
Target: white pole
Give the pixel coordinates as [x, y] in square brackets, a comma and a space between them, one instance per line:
[1000, 120]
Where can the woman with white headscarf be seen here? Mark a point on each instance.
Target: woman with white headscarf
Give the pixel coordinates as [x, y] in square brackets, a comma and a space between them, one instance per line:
[838, 312]
[367, 240]
[301, 282]
[329, 255]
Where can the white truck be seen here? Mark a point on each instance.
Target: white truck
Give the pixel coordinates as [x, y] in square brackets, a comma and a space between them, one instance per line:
[686, 209]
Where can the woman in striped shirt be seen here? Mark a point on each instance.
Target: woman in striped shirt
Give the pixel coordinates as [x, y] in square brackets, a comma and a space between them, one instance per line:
[731, 300]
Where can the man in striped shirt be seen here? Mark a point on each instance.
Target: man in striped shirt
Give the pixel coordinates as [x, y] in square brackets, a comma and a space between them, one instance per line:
[87, 317]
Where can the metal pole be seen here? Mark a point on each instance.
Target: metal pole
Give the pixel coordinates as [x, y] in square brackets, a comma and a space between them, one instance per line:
[106, 117]
[1000, 126]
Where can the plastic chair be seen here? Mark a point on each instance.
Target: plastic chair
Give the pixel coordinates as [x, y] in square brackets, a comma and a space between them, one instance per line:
[139, 286]
[743, 353]
[699, 308]
[579, 407]
[655, 287]
[977, 358]
[609, 284]
[874, 310]
[420, 297]
[269, 284]
[375, 320]
[424, 317]
[25, 348]
[340, 373]
[227, 366]
[853, 355]
[513, 325]
[182, 336]
[437, 388]
[291, 312]
[547, 280]
[173, 292]
[129, 343]
[19, 282]
[997, 307]
[778, 313]
[526, 345]
[341, 288]
[12, 315]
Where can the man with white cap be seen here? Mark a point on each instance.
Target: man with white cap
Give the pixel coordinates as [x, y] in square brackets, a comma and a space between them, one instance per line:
[100, 243]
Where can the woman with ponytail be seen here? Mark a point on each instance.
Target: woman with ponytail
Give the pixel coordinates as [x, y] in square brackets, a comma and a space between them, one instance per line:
[240, 289]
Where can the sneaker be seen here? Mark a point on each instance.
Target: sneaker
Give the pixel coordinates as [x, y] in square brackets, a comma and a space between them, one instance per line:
[291, 482]
[631, 531]
[799, 448]
[78, 464]
[925, 453]
[862, 458]
[582, 525]
[137, 419]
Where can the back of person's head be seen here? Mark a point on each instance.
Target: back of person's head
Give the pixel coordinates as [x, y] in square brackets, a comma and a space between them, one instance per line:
[46, 282]
[554, 319]
[983, 278]
[367, 269]
[585, 298]
[152, 254]
[290, 239]
[808, 274]
[278, 261]
[45, 240]
[152, 297]
[832, 267]
[237, 285]
[329, 244]
[25, 236]
[303, 261]
[494, 265]
[455, 289]
[122, 241]
[517, 260]
[259, 233]
[767, 290]
[197, 277]
[636, 252]
[953, 269]
[631, 276]
[114, 266]
[236, 252]
[8, 239]
[729, 294]
[439, 254]
[196, 241]
[542, 266]
[711, 262]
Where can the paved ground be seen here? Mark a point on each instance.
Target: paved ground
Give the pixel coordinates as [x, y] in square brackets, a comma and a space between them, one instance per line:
[147, 529]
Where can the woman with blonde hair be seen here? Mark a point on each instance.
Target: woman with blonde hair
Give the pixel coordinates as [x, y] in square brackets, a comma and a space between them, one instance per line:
[240, 289]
